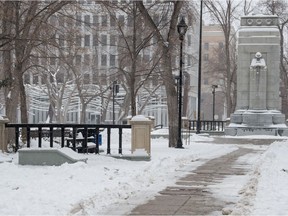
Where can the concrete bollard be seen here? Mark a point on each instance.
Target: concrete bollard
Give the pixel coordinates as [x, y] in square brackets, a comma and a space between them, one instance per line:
[141, 135]
[3, 140]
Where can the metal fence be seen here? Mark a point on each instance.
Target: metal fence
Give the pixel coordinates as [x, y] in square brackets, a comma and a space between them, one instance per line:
[67, 134]
[207, 125]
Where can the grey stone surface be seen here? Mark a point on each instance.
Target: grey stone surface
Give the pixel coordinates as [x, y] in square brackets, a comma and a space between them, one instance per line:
[258, 79]
[48, 157]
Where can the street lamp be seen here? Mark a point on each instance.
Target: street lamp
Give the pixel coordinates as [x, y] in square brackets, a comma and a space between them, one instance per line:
[115, 90]
[182, 28]
[199, 71]
[213, 93]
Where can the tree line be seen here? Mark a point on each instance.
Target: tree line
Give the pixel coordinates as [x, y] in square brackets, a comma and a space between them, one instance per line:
[29, 39]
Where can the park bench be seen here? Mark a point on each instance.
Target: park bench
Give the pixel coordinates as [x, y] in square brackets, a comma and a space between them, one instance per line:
[80, 145]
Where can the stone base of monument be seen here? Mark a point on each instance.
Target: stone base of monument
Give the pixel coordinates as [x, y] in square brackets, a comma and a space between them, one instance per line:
[246, 131]
[257, 122]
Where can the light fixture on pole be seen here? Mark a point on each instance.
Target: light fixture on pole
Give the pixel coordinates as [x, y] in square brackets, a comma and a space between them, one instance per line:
[182, 28]
[199, 71]
[213, 101]
[115, 90]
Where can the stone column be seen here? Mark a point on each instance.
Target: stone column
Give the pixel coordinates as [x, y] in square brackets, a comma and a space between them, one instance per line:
[3, 140]
[141, 135]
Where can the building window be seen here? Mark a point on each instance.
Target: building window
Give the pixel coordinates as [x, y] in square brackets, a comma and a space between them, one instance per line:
[206, 46]
[44, 61]
[112, 60]
[86, 78]
[35, 79]
[130, 21]
[206, 57]
[221, 45]
[87, 59]
[78, 20]
[60, 77]
[61, 40]
[95, 20]
[103, 60]
[61, 21]
[95, 40]
[95, 78]
[95, 60]
[156, 19]
[52, 61]
[189, 40]
[104, 40]
[53, 20]
[78, 40]
[112, 21]
[113, 39]
[87, 40]
[78, 60]
[189, 60]
[104, 21]
[121, 20]
[146, 58]
[87, 20]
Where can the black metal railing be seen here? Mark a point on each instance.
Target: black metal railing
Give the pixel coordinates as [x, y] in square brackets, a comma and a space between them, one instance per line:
[66, 132]
[207, 125]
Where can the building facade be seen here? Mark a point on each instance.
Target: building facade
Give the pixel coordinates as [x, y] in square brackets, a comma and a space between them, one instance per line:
[88, 53]
[213, 72]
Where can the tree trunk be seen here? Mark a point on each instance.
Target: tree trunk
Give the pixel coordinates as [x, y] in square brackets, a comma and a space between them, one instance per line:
[83, 113]
[283, 74]
[167, 45]
[134, 66]
[171, 98]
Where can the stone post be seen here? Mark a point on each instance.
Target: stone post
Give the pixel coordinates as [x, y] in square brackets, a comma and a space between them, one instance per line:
[3, 140]
[185, 122]
[141, 135]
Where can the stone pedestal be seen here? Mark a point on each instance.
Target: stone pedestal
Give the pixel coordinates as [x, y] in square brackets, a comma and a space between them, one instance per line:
[3, 140]
[141, 136]
[258, 79]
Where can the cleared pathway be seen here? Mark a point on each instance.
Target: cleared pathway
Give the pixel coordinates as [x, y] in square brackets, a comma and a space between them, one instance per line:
[191, 195]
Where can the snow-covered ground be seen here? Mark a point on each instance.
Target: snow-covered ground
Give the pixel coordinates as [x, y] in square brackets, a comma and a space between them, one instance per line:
[104, 182]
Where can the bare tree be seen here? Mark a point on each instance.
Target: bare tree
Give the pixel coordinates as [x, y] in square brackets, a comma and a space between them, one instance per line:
[134, 41]
[25, 35]
[167, 44]
[280, 8]
[248, 7]
[224, 14]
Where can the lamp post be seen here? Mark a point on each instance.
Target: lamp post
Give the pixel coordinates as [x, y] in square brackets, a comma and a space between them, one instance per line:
[182, 28]
[115, 90]
[213, 101]
[199, 71]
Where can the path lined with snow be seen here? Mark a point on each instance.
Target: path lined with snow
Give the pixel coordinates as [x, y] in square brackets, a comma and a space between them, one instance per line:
[94, 187]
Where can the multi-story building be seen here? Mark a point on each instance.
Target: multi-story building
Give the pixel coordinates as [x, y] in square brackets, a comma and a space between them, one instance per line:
[92, 57]
[213, 70]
